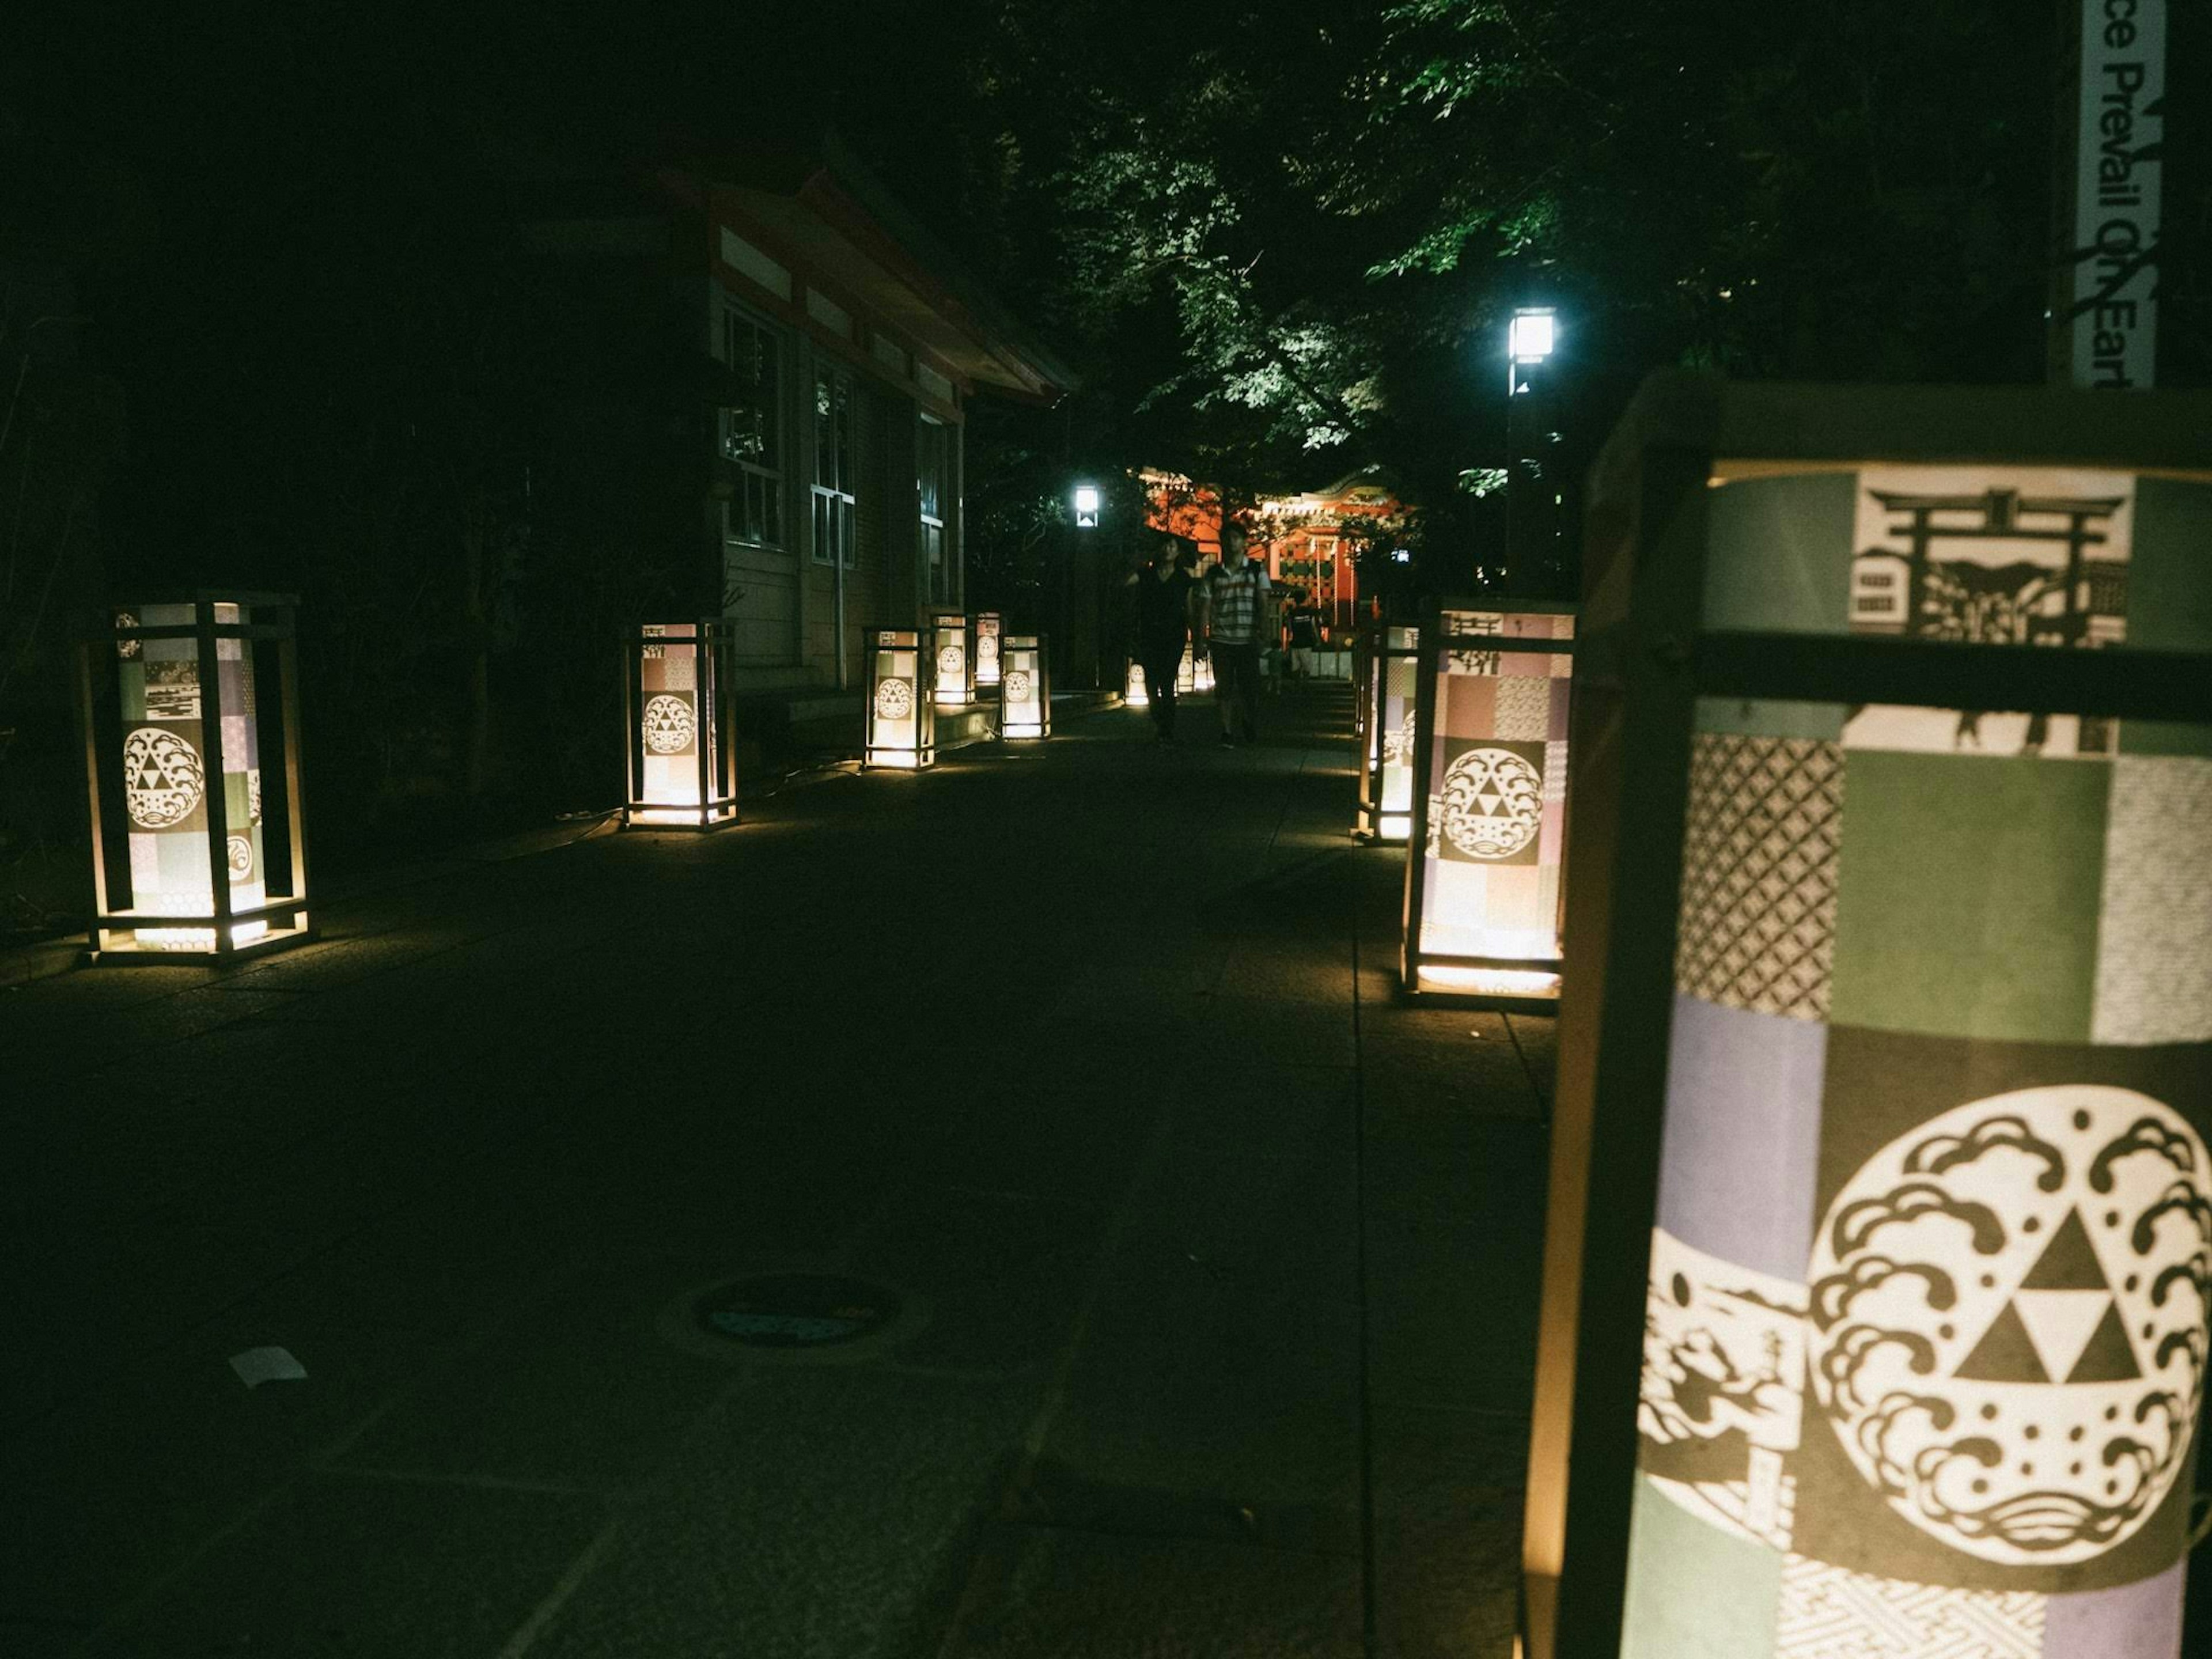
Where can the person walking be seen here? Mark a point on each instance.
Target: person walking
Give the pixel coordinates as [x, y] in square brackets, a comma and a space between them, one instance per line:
[1166, 597]
[1236, 609]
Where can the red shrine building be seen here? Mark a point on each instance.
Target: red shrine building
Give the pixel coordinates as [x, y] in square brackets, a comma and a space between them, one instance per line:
[1309, 557]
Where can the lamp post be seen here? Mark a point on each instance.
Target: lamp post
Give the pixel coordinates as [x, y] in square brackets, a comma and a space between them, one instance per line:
[1077, 631]
[1531, 495]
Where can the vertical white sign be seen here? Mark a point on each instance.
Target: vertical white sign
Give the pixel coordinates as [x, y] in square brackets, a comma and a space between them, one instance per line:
[2115, 328]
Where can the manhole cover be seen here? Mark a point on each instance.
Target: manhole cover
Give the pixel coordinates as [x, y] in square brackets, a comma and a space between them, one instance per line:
[796, 1310]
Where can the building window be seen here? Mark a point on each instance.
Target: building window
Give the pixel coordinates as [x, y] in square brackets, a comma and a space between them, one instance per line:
[932, 454]
[835, 469]
[752, 432]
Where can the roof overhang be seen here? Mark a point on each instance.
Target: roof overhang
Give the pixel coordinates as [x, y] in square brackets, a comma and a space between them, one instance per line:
[829, 211]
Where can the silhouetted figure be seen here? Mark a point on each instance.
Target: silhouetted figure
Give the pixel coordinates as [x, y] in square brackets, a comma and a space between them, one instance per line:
[1166, 598]
[1237, 609]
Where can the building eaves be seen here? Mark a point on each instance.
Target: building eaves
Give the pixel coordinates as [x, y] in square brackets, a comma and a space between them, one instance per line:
[826, 199]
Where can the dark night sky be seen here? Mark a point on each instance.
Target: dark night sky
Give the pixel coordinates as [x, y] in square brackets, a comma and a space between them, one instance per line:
[239, 188]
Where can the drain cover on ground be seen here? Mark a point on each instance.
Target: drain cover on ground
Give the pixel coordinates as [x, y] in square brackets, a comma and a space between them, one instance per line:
[796, 1310]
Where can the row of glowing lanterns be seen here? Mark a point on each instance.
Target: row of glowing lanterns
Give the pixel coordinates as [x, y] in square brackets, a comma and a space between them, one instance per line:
[203, 817]
[198, 846]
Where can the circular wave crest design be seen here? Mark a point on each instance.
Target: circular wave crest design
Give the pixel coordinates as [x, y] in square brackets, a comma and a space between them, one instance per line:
[2006, 1330]
[1492, 804]
[668, 725]
[163, 780]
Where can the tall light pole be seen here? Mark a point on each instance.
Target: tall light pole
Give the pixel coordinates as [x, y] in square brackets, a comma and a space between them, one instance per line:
[1076, 649]
[1531, 493]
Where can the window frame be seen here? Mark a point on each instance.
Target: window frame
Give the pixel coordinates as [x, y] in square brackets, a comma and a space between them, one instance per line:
[753, 515]
[933, 449]
[834, 504]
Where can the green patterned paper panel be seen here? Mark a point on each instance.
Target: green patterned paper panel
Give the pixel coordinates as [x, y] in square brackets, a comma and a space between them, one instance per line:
[2170, 578]
[1969, 895]
[1822, 722]
[1694, 1591]
[1779, 553]
[2170, 597]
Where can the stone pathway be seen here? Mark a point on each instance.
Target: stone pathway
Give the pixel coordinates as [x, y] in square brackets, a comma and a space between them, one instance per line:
[1216, 1265]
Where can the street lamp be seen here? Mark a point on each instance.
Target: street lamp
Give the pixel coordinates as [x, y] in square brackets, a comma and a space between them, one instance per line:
[1086, 507]
[1532, 503]
[1529, 341]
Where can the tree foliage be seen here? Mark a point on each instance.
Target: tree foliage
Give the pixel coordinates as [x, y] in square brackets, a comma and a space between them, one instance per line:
[1290, 235]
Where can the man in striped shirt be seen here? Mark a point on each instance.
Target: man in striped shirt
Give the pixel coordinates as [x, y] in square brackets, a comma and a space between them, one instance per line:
[1238, 609]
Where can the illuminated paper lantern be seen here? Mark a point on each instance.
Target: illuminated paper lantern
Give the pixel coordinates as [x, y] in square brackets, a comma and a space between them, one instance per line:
[1880, 1237]
[1133, 687]
[988, 632]
[902, 716]
[954, 661]
[1390, 672]
[1185, 673]
[678, 701]
[1025, 691]
[1489, 800]
[1203, 674]
[189, 754]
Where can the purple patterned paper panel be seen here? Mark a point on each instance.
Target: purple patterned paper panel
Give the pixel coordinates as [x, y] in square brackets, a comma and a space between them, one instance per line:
[1524, 709]
[2141, 1621]
[1538, 625]
[1742, 1137]
[1467, 706]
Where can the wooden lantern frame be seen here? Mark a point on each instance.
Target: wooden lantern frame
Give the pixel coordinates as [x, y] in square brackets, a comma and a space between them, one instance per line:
[879, 754]
[713, 642]
[1525, 983]
[1646, 654]
[949, 626]
[284, 919]
[1380, 644]
[1034, 654]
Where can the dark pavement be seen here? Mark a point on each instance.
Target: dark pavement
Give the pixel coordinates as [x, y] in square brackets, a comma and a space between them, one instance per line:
[1217, 1266]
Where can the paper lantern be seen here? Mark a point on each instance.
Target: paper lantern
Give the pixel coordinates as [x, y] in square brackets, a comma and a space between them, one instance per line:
[1489, 800]
[1203, 674]
[1025, 689]
[1185, 673]
[192, 753]
[953, 660]
[679, 709]
[901, 714]
[1390, 657]
[988, 630]
[1133, 687]
[1880, 1237]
